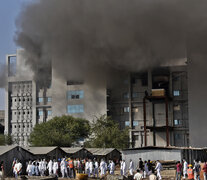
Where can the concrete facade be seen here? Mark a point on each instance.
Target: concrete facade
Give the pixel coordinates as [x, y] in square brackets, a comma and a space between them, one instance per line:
[28, 104]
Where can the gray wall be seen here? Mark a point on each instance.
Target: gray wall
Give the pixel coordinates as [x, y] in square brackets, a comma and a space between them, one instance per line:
[150, 155]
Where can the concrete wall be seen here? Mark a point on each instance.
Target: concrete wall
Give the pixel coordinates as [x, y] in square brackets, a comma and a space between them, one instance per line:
[153, 154]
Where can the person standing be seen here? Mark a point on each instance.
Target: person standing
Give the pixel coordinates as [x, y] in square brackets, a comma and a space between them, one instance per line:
[96, 168]
[131, 167]
[150, 167]
[103, 167]
[111, 167]
[90, 168]
[63, 168]
[29, 169]
[17, 168]
[190, 172]
[138, 175]
[204, 170]
[197, 169]
[55, 168]
[185, 168]
[124, 168]
[121, 167]
[158, 168]
[146, 171]
[50, 167]
[178, 171]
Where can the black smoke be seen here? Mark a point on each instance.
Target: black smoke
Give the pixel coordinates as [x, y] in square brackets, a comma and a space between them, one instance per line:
[94, 39]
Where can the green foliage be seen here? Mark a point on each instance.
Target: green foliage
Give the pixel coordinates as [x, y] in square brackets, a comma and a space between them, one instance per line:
[8, 140]
[5, 140]
[60, 131]
[106, 134]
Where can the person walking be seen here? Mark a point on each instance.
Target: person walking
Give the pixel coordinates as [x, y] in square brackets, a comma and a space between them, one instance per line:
[158, 168]
[141, 166]
[178, 170]
[197, 169]
[131, 167]
[124, 168]
[190, 172]
[185, 168]
[17, 169]
[146, 171]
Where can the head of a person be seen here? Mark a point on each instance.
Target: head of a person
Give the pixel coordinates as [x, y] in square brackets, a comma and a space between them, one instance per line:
[178, 162]
[138, 170]
[140, 159]
[130, 160]
[145, 161]
[148, 161]
[190, 166]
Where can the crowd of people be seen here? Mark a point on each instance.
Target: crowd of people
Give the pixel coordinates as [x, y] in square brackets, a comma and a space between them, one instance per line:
[65, 167]
[190, 171]
[68, 167]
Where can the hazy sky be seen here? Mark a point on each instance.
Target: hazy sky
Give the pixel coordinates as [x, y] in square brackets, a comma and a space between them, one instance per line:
[9, 10]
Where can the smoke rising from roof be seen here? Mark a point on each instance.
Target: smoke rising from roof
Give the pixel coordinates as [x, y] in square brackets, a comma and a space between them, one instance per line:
[87, 39]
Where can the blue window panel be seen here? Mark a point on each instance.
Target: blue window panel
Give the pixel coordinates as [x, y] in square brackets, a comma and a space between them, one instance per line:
[135, 94]
[126, 123]
[49, 112]
[176, 93]
[49, 99]
[75, 109]
[40, 99]
[135, 123]
[40, 112]
[126, 109]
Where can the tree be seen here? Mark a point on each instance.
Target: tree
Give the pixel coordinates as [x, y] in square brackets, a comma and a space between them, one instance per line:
[5, 139]
[60, 131]
[105, 133]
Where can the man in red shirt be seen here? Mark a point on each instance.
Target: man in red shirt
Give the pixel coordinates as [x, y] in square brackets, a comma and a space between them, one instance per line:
[179, 170]
[204, 170]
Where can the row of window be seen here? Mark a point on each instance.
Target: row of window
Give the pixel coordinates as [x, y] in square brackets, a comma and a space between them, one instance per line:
[79, 94]
[41, 99]
[22, 99]
[134, 123]
[41, 112]
[24, 112]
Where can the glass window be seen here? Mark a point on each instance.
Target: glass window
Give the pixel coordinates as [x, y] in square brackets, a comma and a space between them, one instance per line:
[49, 99]
[135, 123]
[176, 107]
[40, 99]
[126, 123]
[126, 109]
[75, 94]
[177, 122]
[40, 112]
[176, 93]
[75, 109]
[49, 112]
[126, 95]
[177, 136]
[135, 94]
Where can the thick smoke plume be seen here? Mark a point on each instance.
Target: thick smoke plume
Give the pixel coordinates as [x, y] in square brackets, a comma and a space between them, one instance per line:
[93, 39]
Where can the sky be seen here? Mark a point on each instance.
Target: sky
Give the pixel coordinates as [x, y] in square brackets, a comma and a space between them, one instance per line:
[9, 10]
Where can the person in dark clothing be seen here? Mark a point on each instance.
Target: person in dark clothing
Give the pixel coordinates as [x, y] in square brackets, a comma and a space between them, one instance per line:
[141, 165]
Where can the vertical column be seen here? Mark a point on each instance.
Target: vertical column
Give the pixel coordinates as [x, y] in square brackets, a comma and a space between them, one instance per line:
[167, 128]
[130, 110]
[145, 128]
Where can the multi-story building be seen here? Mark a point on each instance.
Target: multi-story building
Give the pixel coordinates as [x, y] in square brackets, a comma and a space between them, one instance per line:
[130, 103]
[28, 104]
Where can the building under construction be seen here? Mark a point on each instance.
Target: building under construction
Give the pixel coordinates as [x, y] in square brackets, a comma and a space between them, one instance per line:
[153, 104]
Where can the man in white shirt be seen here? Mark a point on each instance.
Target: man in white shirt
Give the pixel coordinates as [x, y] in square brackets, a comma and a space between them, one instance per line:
[138, 175]
[131, 167]
[185, 168]
[158, 168]
[17, 169]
